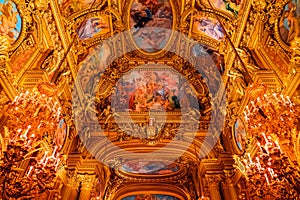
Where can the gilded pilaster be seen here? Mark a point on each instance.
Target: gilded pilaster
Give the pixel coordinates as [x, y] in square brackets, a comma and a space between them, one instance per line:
[213, 182]
[87, 183]
[70, 190]
[228, 187]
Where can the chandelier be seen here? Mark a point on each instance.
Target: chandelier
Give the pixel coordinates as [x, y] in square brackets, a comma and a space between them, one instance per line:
[271, 114]
[270, 118]
[28, 162]
[270, 173]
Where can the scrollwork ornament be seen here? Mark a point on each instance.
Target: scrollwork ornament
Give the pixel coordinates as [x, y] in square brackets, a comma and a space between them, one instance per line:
[213, 180]
[274, 10]
[259, 5]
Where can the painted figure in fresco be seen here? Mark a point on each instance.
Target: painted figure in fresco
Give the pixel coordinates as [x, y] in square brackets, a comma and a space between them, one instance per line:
[164, 12]
[283, 30]
[142, 17]
[8, 20]
[289, 23]
[219, 61]
[233, 6]
[69, 6]
[150, 167]
[219, 4]
[149, 90]
[90, 27]
[210, 27]
[151, 39]
[151, 14]
[240, 135]
[60, 133]
[153, 2]
[293, 22]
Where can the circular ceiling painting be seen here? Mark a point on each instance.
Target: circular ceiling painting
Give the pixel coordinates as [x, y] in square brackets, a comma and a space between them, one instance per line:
[10, 20]
[288, 23]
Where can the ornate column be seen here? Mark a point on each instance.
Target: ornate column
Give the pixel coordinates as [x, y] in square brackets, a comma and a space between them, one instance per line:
[212, 182]
[228, 187]
[87, 183]
[70, 190]
[225, 190]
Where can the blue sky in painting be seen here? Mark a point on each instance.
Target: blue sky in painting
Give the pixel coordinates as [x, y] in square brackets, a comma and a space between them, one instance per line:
[19, 22]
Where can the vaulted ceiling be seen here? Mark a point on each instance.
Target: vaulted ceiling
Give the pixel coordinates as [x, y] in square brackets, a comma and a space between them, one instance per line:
[105, 54]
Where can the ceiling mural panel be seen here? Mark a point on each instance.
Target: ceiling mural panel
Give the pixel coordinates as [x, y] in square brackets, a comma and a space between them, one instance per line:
[150, 167]
[229, 6]
[149, 21]
[144, 90]
[93, 26]
[289, 22]
[239, 131]
[208, 26]
[61, 134]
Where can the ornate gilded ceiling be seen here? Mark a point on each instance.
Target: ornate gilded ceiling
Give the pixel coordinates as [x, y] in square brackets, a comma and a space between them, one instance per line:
[123, 68]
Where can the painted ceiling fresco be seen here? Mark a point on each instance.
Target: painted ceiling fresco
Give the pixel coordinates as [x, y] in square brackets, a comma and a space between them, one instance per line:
[150, 167]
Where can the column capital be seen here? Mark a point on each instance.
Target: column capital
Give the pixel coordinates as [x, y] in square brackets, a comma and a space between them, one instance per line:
[213, 180]
[87, 181]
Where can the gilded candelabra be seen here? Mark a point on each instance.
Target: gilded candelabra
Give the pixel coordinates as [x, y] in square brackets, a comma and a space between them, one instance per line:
[272, 114]
[270, 173]
[27, 169]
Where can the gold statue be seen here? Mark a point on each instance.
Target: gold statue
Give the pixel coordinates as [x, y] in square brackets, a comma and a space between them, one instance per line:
[238, 80]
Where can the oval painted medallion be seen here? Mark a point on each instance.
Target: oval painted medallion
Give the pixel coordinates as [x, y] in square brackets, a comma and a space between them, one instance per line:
[151, 23]
[289, 22]
[150, 167]
[240, 134]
